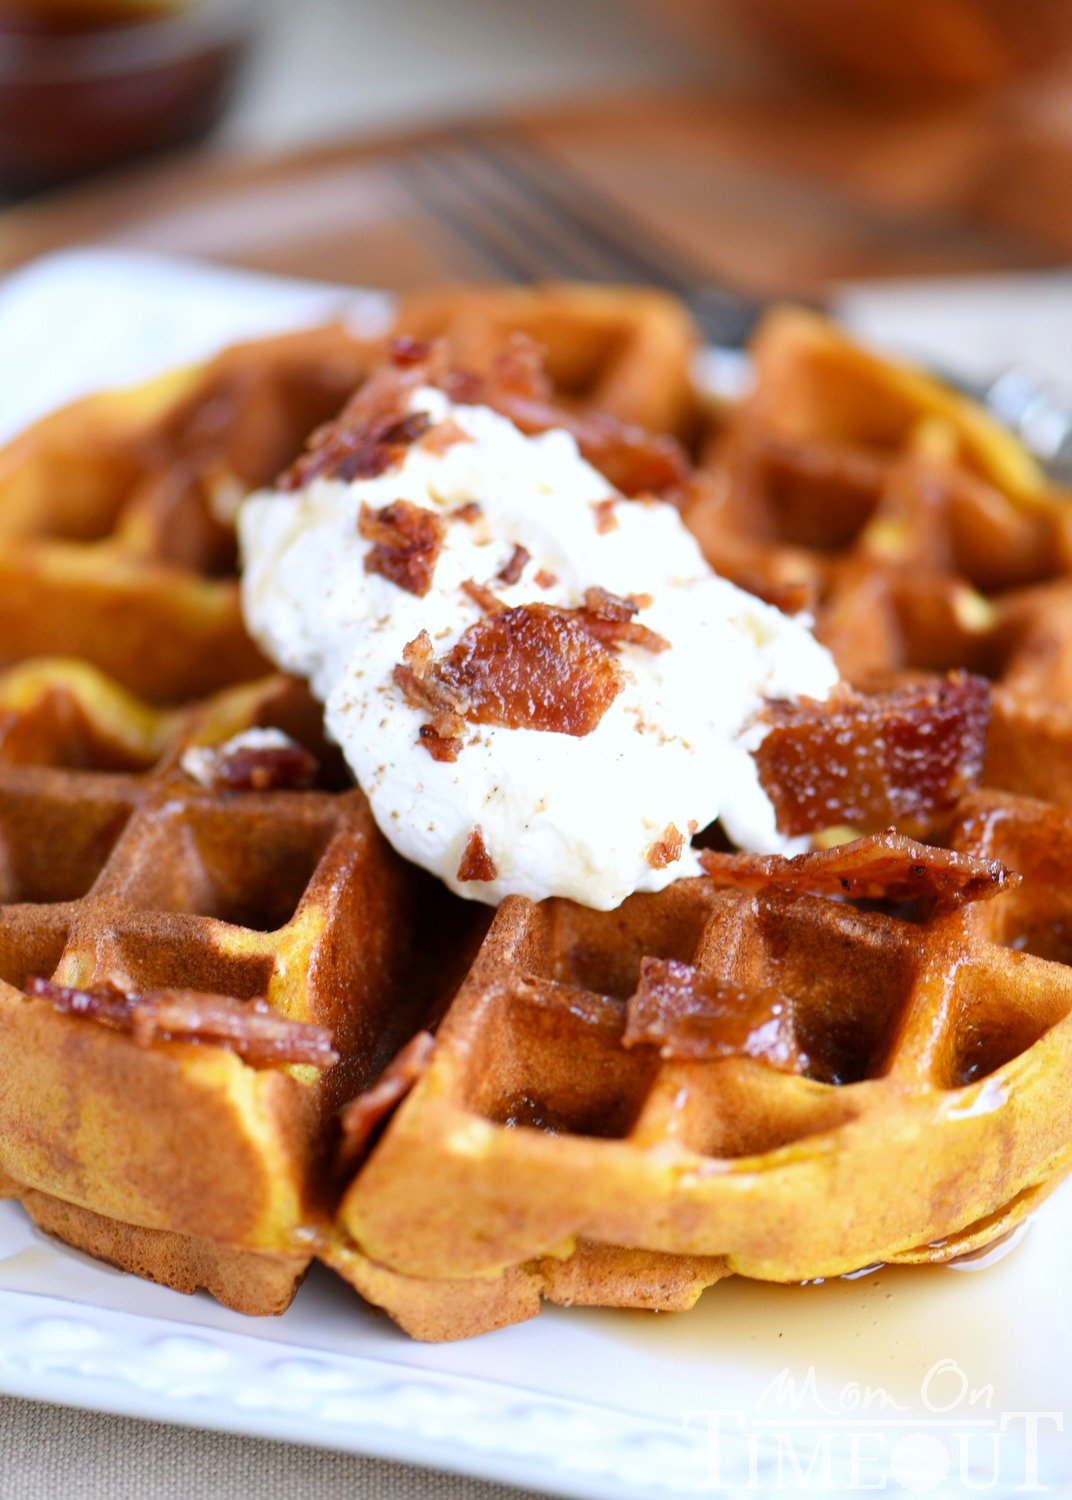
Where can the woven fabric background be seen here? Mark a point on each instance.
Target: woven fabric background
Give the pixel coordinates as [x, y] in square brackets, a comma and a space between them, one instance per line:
[48, 1451]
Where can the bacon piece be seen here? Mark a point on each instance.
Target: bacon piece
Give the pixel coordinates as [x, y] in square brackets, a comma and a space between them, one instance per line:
[634, 461]
[545, 579]
[407, 541]
[903, 756]
[361, 1118]
[667, 849]
[606, 519]
[421, 688]
[376, 427]
[610, 619]
[515, 565]
[444, 436]
[249, 763]
[882, 866]
[472, 510]
[533, 667]
[692, 1017]
[258, 1034]
[476, 862]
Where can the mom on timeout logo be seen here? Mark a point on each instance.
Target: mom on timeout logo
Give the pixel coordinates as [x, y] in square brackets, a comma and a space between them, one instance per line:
[957, 1439]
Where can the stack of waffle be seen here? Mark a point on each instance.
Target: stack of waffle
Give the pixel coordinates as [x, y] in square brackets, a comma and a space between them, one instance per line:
[207, 952]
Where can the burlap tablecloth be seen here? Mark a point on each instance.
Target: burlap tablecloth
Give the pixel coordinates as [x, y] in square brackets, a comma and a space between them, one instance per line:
[48, 1452]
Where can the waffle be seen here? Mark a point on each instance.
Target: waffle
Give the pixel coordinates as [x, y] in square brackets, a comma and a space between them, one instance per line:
[123, 647]
[591, 1173]
[920, 533]
[540, 1154]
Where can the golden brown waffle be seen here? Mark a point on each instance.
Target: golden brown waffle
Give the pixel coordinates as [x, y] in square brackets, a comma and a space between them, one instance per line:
[921, 533]
[117, 561]
[537, 1157]
[540, 1157]
[179, 1159]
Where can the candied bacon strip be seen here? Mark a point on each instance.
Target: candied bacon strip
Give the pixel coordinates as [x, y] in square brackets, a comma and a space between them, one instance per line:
[259, 1035]
[900, 757]
[363, 1115]
[407, 541]
[881, 866]
[693, 1017]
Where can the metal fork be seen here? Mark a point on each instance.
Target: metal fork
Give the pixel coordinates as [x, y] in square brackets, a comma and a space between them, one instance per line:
[528, 216]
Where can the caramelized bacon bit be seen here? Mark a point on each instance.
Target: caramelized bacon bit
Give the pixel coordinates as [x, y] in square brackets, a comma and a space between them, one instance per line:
[444, 436]
[634, 461]
[605, 514]
[364, 1115]
[610, 619]
[472, 510]
[666, 850]
[260, 760]
[375, 428]
[533, 667]
[692, 1017]
[904, 756]
[416, 679]
[476, 862]
[407, 541]
[259, 1035]
[515, 565]
[545, 579]
[882, 866]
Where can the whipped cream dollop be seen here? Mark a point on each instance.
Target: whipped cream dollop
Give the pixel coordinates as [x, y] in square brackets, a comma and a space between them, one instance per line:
[593, 816]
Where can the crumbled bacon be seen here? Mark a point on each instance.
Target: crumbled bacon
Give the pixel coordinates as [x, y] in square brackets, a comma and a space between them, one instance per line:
[610, 619]
[535, 666]
[364, 1115]
[900, 757]
[421, 688]
[545, 579]
[605, 514]
[407, 541]
[667, 849]
[692, 1017]
[375, 428]
[483, 597]
[476, 863]
[515, 565]
[472, 510]
[634, 461]
[258, 1034]
[881, 866]
[532, 667]
[243, 764]
[444, 436]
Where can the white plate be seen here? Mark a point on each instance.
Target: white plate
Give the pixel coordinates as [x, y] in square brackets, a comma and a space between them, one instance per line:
[903, 1380]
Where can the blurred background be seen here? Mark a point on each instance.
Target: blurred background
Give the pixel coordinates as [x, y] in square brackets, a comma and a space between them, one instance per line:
[766, 146]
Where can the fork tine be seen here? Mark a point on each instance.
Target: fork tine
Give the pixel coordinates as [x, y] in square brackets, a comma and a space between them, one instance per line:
[725, 316]
[548, 245]
[443, 202]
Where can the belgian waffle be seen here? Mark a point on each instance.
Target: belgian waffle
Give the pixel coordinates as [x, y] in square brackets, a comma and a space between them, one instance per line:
[541, 1152]
[921, 534]
[122, 638]
[936, 1049]
[182, 1161]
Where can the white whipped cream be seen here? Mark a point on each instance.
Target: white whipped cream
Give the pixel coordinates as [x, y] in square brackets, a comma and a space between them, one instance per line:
[559, 815]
